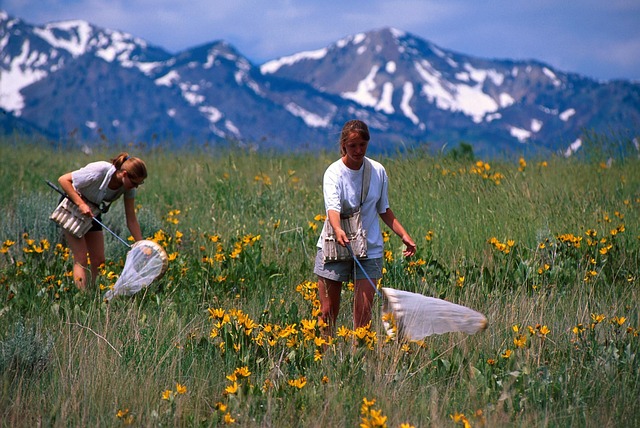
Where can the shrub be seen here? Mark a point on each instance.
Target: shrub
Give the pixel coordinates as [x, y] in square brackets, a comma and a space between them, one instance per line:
[25, 349]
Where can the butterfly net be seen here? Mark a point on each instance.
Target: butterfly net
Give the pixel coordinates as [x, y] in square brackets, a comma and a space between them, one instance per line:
[146, 262]
[414, 316]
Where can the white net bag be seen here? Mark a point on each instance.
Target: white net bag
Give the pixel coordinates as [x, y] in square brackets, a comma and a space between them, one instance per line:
[146, 262]
[417, 316]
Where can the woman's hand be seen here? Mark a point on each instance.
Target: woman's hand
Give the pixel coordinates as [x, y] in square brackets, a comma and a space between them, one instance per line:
[390, 220]
[410, 249]
[341, 237]
[334, 221]
[66, 182]
[85, 209]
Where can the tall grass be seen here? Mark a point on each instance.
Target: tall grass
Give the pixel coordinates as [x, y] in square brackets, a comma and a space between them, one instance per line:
[547, 249]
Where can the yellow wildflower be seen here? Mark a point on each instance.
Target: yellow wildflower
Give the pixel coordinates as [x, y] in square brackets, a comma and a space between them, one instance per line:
[228, 419]
[520, 341]
[232, 389]
[298, 383]
[243, 371]
[618, 320]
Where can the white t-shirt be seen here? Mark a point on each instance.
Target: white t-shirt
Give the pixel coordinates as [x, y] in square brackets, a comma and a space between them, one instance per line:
[92, 182]
[342, 188]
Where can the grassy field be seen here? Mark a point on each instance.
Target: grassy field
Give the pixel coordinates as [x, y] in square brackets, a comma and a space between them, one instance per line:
[547, 249]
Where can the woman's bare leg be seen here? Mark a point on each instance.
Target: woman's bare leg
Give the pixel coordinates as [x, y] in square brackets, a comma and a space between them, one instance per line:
[329, 295]
[95, 246]
[362, 301]
[78, 247]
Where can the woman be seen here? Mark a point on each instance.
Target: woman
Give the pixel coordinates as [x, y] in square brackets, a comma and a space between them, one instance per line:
[342, 188]
[99, 183]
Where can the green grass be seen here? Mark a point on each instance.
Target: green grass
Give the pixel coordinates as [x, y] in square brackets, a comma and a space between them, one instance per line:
[551, 250]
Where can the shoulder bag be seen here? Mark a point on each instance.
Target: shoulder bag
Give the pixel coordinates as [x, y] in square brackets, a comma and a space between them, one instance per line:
[351, 223]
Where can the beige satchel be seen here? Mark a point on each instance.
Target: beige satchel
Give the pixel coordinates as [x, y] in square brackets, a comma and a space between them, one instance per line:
[68, 216]
[351, 223]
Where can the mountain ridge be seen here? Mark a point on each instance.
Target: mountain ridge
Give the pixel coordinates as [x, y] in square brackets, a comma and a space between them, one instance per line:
[73, 77]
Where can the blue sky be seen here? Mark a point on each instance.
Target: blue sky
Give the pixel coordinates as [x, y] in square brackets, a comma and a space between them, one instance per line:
[595, 38]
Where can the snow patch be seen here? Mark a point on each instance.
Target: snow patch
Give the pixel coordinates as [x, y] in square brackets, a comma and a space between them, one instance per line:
[492, 116]
[311, 119]
[14, 78]
[273, 66]
[574, 147]
[407, 95]
[506, 100]
[548, 110]
[356, 39]
[253, 85]
[536, 125]
[451, 62]
[362, 94]
[147, 67]
[437, 51]
[232, 128]
[468, 99]
[385, 103]
[211, 113]
[168, 79]
[566, 115]
[481, 75]
[77, 45]
[551, 75]
[390, 67]
[189, 94]
[521, 134]
[397, 33]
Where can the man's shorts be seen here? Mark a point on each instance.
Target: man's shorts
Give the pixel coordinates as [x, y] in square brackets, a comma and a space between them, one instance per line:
[343, 271]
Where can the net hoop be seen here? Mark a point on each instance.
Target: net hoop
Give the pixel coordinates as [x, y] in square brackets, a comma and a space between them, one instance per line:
[151, 246]
[146, 262]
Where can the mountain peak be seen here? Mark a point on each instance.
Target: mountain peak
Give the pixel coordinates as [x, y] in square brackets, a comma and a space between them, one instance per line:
[72, 75]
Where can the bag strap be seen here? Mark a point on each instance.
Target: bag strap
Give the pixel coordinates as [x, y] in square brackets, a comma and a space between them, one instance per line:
[366, 180]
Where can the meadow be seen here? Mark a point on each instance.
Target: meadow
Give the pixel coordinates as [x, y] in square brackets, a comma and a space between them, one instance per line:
[548, 249]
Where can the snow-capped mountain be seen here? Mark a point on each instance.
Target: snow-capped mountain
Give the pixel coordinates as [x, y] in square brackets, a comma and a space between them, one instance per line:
[31, 53]
[74, 80]
[443, 92]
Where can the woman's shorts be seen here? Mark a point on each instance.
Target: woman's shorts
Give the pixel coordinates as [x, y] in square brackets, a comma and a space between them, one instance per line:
[343, 271]
[95, 226]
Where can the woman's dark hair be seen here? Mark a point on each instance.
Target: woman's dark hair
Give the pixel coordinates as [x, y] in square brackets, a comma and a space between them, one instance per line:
[351, 127]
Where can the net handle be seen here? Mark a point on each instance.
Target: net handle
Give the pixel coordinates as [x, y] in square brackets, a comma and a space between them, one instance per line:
[57, 189]
[348, 245]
